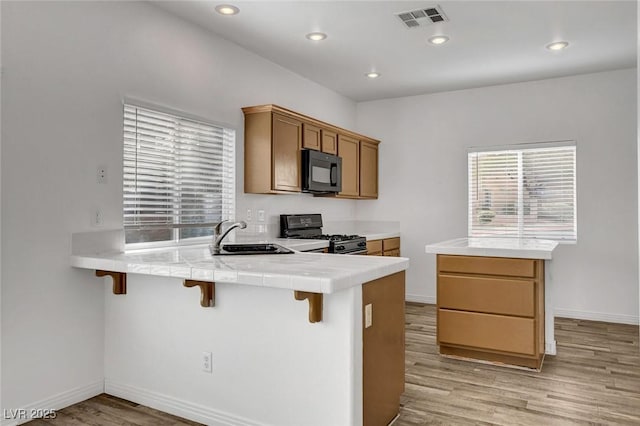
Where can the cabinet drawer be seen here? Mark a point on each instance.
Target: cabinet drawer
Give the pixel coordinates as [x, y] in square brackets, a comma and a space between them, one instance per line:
[391, 244]
[484, 294]
[486, 331]
[374, 246]
[487, 265]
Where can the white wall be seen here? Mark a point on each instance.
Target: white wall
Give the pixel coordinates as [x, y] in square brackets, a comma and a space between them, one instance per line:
[270, 365]
[1, 405]
[423, 177]
[67, 68]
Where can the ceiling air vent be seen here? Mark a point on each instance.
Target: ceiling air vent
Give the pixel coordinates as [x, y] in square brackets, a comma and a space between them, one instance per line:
[422, 17]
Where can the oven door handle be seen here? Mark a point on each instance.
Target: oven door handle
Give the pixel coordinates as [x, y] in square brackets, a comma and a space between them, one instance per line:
[356, 252]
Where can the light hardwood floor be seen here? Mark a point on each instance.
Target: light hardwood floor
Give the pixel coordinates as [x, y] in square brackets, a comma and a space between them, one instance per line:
[594, 379]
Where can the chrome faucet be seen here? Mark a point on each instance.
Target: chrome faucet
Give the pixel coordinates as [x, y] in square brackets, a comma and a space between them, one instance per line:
[218, 237]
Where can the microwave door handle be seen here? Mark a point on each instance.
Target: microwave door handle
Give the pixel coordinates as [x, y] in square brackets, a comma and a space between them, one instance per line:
[334, 174]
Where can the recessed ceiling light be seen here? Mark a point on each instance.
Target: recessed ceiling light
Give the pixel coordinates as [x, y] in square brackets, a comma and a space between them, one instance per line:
[557, 45]
[438, 39]
[316, 36]
[373, 74]
[227, 9]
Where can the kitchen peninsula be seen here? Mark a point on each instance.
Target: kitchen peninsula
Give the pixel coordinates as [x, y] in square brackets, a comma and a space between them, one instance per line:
[494, 300]
[288, 335]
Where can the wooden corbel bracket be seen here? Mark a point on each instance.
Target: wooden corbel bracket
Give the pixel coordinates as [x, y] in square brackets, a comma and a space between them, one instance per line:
[119, 280]
[207, 292]
[315, 304]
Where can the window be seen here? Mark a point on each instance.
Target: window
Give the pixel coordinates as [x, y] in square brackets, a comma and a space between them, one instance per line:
[526, 191]
[178, 176]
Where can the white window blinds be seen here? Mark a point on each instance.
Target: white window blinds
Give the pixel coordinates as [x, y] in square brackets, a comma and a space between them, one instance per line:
[178, 176]
[526, 191]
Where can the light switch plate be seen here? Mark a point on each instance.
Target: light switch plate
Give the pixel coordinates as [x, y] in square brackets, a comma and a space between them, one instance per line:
[368, 315]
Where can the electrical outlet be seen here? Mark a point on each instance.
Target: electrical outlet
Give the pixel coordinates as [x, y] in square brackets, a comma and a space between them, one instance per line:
[97, 218]
[368, 315]
[207, 362]
[248, 215]
[101, 174]
[260, 215]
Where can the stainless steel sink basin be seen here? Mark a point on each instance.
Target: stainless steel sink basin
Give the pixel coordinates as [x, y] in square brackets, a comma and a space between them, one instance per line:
[261, 248]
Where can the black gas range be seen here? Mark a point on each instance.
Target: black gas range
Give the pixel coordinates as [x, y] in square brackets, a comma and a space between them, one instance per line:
[309, 226]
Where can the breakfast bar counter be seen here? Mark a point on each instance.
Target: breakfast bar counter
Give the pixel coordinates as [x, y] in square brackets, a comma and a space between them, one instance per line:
[286, 339]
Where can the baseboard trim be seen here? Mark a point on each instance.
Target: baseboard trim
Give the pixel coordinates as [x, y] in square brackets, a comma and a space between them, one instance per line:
[550, 348]
[597, 316]
[58, 402]
[429, 300]
[175, 406]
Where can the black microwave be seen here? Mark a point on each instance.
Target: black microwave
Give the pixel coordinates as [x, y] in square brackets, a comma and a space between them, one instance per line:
[321, 173]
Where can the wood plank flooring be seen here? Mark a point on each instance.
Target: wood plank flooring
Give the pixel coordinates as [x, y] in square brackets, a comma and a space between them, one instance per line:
[107, 410]
[594, 379]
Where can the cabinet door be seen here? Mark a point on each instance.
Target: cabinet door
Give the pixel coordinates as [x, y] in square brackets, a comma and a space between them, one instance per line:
[310, 137]
[329, 141]
[392, 253]
[348, 150]
[383, 349]
[368, 169]
[286, 140]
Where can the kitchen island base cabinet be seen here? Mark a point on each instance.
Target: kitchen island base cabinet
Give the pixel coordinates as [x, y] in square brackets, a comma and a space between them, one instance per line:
[383, 348]
[491, 309]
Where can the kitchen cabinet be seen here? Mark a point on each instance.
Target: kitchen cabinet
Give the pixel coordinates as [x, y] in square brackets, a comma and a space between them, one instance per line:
[272, 153]
[329, 142]
[374, 247]
[491, 309]
[311, 136]
[274, 137]
[368, 169]
[359, 168]
[382, 348]
[349, 151]
[385, 247]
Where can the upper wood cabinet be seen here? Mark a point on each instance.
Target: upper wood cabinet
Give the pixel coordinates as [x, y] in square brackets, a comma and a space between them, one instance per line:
[349, 151]
[329, 142]
[272, 144]
[359, 167]
[311, 138]
[368, 169]
[286, 153]
[274, 137]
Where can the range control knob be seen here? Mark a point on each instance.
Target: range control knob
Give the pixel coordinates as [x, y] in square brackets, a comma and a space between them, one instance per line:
[339, 248]
[362, 244]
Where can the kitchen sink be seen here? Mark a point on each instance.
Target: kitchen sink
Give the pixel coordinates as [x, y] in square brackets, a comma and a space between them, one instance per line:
[261, 248]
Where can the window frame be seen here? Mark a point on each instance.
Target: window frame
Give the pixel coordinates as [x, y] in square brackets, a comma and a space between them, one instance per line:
[175, 231]
[519, 149]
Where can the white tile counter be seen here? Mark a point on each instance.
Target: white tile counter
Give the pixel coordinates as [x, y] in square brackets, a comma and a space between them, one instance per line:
[495, 247]
[312, 272]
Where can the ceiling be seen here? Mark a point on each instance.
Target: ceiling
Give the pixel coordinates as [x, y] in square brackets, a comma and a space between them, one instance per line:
[491, 42]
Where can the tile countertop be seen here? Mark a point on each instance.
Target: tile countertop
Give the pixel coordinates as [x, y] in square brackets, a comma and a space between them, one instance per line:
[313, 272]
[495, 247]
